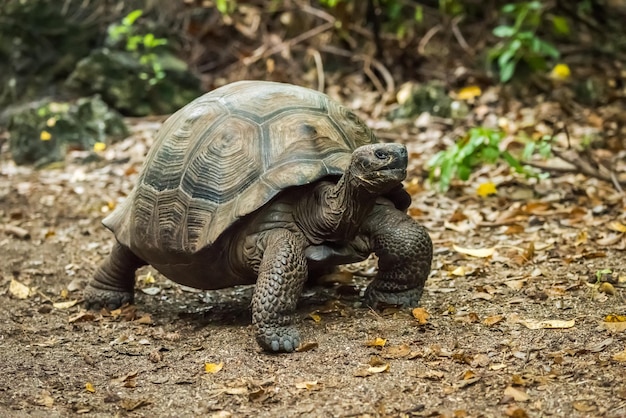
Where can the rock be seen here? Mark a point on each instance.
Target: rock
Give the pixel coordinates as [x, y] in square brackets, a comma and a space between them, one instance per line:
[129, 85]
[41, 132]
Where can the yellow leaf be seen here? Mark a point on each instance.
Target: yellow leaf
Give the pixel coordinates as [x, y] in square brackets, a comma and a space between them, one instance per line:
[421, 315]
[547, 324]
[213, 367]
[19, 290]
[89, 387]
[65, 305]
[459, 271]
[376, 342]
[606, 287]
[99, 146]
[621, 356]
[45, 136]
[486, 189]
[615, 318]
[315, 317]
[617, 226]
[468, 93]
[560, 72]
[581, 238]
[475, 252]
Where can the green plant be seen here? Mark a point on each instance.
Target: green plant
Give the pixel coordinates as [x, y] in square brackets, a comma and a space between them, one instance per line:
[520, 42]
[145, 45]
[483, 146]
[397, 16]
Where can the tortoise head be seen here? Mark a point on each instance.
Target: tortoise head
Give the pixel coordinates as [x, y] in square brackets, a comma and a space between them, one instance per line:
[379, 167]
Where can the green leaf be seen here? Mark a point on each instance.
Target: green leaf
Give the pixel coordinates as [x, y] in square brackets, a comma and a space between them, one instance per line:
[506, 71]
[490, 154]
[419, 14]
[509, 53]
[504, 31]
[509, 8]
[464, 172]
[529, 149]
[132, 17]
[560, 25]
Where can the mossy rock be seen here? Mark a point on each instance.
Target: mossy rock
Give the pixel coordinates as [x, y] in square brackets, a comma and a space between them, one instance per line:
[126, 84]
[41, 132]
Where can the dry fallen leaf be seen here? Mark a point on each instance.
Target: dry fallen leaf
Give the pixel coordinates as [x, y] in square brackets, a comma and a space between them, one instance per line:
[83, 316]
[308, 385]
[376, 342]
[89, 387]
[307, 346]
[213, 367]
[398, 351]
[19, 290]
[583, 406]
[547, 324]
[45, 399]
[378, 369]
[517, 394]
[421, 315]
[515, 411]
[65, 305]
[315, 317]
[617, 226]
[492, 320]
[475, 252]
[621, 356]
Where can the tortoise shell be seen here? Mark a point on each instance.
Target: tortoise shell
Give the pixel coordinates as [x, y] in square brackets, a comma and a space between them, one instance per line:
[227, 154]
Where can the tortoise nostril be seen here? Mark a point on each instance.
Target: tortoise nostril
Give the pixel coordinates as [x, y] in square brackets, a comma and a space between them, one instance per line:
[381, 154]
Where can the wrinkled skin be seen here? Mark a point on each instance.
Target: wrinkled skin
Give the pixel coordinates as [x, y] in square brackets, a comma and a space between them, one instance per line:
[325, 224]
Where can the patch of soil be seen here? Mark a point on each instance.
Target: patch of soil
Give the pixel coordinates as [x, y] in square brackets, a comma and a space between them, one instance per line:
[480, 350]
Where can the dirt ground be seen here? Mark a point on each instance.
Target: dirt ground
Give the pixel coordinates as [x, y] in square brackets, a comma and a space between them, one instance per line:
[529, 323]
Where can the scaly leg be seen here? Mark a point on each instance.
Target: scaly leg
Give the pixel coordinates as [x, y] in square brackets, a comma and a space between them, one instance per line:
[114, 281]
[404, 251]
[282, 273]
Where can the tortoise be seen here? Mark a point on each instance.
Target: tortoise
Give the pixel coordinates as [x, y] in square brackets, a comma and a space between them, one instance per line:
[267, 183]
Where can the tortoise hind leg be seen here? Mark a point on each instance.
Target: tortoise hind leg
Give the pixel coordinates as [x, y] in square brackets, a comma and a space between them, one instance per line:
[113, 283]
[281, 276]
[404, 251]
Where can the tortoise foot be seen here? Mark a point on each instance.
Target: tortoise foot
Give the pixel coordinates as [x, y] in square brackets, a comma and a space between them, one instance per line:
[96, 299]
[278, 339]
[407, 298]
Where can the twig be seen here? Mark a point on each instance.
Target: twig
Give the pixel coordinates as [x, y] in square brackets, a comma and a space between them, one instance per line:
[319, 66]
[459, 36]
[318, 13]
[424, 41]
[287, 44]
[586, 168]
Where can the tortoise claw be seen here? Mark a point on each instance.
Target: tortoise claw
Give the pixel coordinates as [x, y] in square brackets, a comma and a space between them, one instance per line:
[278, 339]
[96, 299]
[407, 298]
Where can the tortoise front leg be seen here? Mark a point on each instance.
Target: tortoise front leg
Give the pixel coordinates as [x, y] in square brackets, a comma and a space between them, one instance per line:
[114, 281]
[405, 253]
[281, 276]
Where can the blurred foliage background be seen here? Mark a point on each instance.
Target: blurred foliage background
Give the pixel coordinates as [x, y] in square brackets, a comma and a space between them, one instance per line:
[400, 57]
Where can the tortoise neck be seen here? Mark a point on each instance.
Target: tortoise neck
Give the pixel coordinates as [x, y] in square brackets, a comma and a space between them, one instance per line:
[334, 212]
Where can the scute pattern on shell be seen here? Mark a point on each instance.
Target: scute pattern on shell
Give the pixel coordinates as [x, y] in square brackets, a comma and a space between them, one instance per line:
[228, 153]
